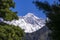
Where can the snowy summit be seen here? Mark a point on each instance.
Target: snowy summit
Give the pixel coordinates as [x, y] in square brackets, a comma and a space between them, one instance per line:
[30, 23]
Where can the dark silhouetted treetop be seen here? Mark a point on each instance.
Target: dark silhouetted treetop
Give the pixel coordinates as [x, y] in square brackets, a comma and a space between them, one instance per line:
[53, 14]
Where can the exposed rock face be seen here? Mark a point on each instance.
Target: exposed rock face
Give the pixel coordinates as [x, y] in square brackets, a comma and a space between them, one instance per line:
[41, 34]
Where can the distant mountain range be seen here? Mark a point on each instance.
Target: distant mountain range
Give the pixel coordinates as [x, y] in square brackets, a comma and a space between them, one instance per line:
[33, 26]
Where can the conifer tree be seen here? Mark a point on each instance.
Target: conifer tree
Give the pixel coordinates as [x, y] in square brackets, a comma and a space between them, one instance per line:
[53, 13]
[9, 32]
[5, 11]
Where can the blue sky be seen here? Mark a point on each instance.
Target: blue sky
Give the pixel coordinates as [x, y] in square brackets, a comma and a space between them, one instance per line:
[25, 6]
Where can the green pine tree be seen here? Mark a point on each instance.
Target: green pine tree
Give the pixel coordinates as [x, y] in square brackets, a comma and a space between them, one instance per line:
[53, 13]
[9, 32]
[5, 11]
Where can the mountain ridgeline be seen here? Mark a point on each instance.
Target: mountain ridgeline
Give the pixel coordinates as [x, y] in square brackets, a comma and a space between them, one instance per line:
[33, 27]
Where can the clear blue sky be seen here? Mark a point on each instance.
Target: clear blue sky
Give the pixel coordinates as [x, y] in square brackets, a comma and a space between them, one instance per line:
[25, 6]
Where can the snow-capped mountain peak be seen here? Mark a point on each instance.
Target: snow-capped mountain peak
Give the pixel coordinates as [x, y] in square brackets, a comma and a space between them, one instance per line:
[31, 15]
[30, 23]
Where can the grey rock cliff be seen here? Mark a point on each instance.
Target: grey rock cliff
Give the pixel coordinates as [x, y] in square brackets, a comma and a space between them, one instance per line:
[41, 34]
